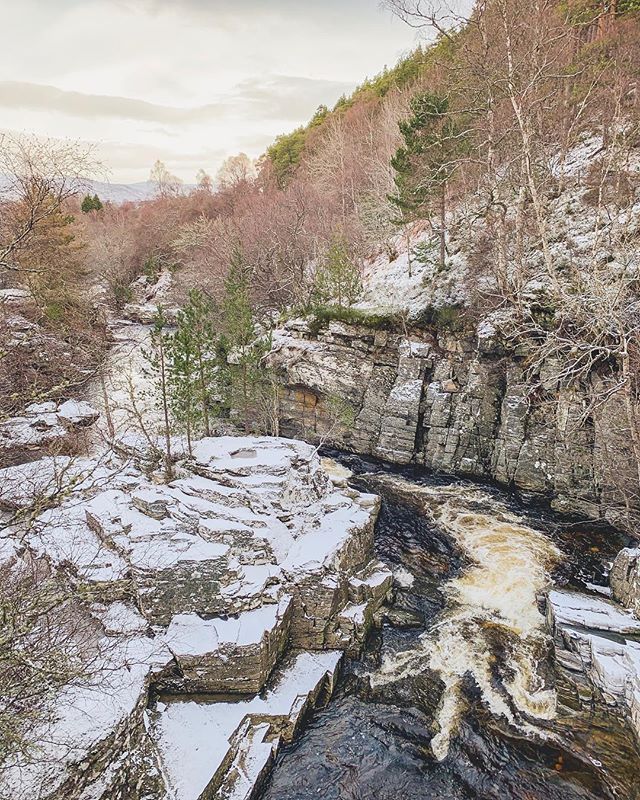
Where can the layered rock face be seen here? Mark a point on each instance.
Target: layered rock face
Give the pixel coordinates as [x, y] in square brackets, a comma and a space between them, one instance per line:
[625, 579]
[244, 580]
[597, 643]
[597, 650]
[459, 404]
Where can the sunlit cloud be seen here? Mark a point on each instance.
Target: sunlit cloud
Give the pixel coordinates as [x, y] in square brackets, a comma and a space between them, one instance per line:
[148, 79]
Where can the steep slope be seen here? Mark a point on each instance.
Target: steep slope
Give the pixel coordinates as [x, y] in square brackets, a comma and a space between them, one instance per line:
[438, 373]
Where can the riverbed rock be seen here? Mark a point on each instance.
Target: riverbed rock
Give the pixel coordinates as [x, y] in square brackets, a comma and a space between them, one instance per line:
[625, 579]
[598, 652]
[252, 570]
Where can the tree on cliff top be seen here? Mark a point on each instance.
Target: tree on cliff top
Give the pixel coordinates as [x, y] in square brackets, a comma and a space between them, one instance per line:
[337, 278]
[434, 143]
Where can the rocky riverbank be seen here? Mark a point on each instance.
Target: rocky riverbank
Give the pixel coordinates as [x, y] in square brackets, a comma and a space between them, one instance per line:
[209, 613]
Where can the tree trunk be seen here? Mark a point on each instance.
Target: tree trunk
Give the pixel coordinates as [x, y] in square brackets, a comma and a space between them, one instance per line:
[168, 462]
[443, 224]
[107, 408]
[204, 396]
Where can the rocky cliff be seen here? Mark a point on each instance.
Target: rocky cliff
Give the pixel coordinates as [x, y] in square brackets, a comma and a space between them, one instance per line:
[201, 620]
[457, 402]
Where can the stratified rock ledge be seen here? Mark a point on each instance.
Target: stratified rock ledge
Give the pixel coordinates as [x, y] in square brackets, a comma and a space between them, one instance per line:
[245, 579]
[597, 648]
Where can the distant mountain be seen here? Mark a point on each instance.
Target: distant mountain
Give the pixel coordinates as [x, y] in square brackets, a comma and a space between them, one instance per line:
[127, 192]
[111, 192]
[122, 192]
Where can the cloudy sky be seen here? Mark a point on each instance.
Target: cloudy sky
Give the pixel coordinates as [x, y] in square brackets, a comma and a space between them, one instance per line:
[186, 81]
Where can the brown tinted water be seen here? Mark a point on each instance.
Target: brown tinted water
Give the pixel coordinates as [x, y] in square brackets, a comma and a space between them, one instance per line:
[456, 697]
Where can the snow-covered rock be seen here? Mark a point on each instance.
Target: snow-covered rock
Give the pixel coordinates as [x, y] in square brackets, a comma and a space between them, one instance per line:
[45, 426]
[200, 585]
[77, 412]
[235, 654]
[225, 744]
[597, 649]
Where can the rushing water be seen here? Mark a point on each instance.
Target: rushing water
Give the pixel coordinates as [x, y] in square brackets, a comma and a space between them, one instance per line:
[455, 697]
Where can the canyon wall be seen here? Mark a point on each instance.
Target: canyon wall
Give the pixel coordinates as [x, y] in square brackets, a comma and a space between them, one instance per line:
[460, 403]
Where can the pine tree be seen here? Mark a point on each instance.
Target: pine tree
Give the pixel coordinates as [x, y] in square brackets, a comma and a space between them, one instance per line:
[182, 377]
[433, 145]
[246, 374]
[239, 331]
[197, 319]
[91, 203]
[337, 278]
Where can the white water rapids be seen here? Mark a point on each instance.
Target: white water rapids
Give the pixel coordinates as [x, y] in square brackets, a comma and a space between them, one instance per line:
[491, 624]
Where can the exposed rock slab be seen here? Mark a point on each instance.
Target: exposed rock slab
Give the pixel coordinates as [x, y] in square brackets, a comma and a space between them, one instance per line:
[201, 585]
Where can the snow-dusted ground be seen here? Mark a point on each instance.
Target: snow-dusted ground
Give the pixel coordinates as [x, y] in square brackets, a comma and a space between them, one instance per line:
[578, 237]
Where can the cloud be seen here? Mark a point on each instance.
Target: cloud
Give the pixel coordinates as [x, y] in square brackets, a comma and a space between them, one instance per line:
[280, 97]
[169, 77]
[287, 97]
[39, 97]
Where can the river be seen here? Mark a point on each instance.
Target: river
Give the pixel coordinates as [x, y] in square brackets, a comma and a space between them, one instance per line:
[455, 696]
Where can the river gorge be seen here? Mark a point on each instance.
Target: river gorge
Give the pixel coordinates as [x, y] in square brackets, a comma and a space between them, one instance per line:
[458, 694]
[484, 655]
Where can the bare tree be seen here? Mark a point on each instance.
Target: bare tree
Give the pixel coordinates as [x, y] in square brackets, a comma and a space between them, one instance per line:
[167, 184]
[41, 176]
[235, 171]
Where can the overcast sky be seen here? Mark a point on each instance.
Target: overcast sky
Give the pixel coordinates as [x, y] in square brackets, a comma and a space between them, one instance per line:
[186, 81]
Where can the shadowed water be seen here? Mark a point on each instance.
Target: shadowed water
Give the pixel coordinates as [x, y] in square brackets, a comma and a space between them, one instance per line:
[455, 697]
